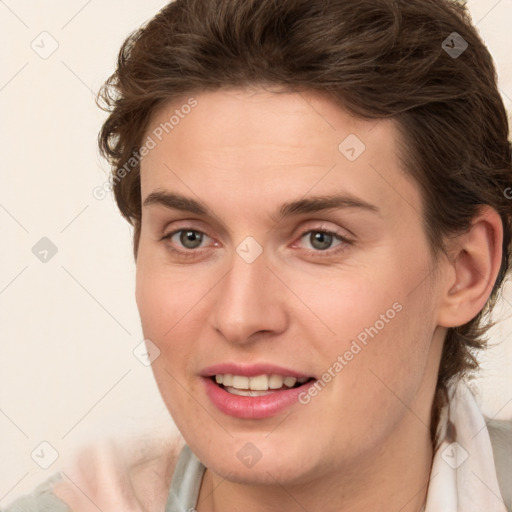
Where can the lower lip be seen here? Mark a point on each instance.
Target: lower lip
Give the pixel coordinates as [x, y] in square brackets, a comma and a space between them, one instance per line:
[253, 407]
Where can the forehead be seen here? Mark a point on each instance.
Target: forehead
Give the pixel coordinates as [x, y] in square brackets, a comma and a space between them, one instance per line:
[249, 143]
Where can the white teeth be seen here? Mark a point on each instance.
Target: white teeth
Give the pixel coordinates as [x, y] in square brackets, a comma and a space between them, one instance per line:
[275, 382]
[290, 381]
[247, 392]
[240, 382]
[257, 383]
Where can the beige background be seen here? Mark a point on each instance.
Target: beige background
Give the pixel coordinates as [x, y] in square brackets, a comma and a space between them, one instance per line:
[69, 326]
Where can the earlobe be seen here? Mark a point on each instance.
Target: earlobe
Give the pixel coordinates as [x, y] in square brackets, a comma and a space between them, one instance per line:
[475, 263]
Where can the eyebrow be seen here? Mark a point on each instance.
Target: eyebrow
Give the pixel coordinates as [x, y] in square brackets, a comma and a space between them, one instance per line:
[175, 201]
[322, 203]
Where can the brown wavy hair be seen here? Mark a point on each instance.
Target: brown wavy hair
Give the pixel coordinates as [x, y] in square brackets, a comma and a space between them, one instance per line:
[375, 59]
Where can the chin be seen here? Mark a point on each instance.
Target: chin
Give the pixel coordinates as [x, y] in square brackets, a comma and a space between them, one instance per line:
[240, 461]
[287, 473]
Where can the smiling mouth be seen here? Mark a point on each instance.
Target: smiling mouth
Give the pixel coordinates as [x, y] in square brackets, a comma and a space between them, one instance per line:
[259, 385]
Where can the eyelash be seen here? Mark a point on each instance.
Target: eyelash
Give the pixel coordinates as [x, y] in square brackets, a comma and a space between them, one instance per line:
[187, 253]
[327, 252]
[194, 253]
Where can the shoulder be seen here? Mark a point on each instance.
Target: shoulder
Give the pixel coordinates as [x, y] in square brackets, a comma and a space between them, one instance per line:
[41, 499]
[132, 475]
[500, 432]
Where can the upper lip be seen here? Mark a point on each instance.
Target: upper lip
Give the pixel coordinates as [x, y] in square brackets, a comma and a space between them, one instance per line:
[251, 370]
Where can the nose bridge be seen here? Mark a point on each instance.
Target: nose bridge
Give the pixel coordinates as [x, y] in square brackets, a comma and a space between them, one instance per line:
[243, 278]
[247, 302]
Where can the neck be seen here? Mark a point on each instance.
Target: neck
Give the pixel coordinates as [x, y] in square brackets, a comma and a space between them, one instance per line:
[394, 478]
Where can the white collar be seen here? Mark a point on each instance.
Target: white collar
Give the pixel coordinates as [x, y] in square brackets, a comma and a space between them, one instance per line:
[463, 476]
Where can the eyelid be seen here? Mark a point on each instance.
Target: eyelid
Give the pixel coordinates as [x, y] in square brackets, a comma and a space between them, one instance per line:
[168, 235]
[345, 242]
[182, 252]
[165, 219]
[325, 227]
[190, 224]
[334, 234]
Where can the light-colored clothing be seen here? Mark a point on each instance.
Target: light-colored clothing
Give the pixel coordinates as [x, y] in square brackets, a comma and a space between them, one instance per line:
[463, 478]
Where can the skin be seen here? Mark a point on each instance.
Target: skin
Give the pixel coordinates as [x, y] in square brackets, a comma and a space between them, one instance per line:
[363, 442]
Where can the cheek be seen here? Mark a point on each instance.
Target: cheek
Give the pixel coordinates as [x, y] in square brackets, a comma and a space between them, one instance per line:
[156, 305]
[350, 301]
[382, 317]
[168, 310]
[394, 334]
[163, 294]
[173, 305]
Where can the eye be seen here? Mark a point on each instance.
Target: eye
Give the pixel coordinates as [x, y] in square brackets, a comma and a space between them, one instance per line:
[320, 240]
[187, 238]
[190, 239]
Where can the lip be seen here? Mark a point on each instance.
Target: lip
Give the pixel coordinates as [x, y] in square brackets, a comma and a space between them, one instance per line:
[253, 407]
[251, 370]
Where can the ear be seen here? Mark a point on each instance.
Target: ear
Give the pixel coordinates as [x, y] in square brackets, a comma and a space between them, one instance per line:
[474, 263]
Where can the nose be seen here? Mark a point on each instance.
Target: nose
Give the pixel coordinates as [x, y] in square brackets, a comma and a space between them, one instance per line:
[249, 302]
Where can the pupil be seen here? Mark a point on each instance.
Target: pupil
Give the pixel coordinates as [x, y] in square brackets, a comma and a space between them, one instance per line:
[191, 239]
[321, 240]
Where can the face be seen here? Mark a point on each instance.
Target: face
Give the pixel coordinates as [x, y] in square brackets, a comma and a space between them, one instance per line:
[282, 254]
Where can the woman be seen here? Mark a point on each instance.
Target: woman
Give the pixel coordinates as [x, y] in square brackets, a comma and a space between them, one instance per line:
[321, 221]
